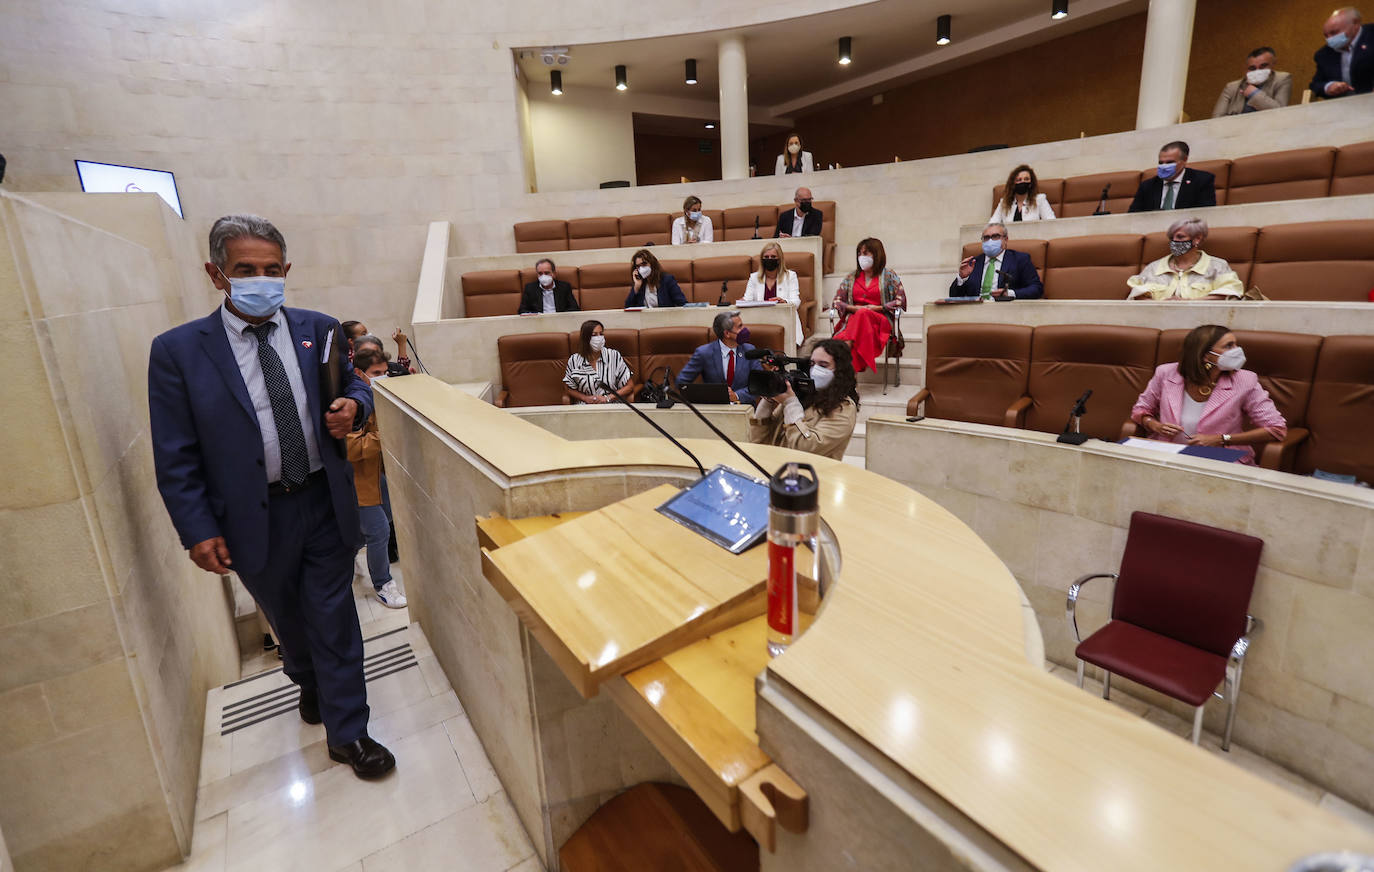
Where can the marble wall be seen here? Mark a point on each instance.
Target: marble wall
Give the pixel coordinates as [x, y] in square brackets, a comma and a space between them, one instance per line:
[109, 636]
[1053, 513]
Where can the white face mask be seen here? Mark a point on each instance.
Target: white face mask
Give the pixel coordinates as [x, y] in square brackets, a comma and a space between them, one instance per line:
[793, 148]
[1257, 77]
[695, 216]
[597, 343]
[644, 271]
[1231, 359]
[546, 280]
[865, 262]
[821, 376]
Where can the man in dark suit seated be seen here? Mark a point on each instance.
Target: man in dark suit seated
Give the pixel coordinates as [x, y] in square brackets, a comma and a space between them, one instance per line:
[249, 407]
[801, 220]
[998, 272]
[1174, 185]
[723, 361]
[547, 293]
[1345, 65]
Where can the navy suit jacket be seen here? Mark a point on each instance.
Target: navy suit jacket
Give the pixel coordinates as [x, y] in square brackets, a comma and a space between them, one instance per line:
[811, 224]
[1018, 274]
[1199, 188]
[669, 294]
[1361, 65]
[207, 448]
[706, 362]
[532, 298]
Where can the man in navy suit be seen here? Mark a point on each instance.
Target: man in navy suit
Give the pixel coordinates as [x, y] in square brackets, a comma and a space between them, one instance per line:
[1006, 274]
[1175, 185]
[251, 466]
[722, 362]
[1345, 65]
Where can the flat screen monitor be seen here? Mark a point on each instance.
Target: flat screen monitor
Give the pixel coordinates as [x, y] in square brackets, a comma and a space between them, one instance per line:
[103, 178]
[727, 507]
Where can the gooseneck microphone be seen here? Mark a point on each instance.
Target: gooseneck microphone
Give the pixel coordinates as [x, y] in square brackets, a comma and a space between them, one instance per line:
[756, 227]
[1071, 436]
[652, 423]
[677, 395]
[1102, 203]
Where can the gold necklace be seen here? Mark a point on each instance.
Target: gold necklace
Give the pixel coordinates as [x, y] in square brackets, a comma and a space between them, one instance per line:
[1205, 390]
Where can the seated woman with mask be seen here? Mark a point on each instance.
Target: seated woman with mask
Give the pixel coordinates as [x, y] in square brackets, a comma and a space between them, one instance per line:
[692, 225]
[1187, 272]
[865, 303]
[650, 286]
[593, 367]
[1021, 199]
[774, 281]
[1206, 398]
[821, 423]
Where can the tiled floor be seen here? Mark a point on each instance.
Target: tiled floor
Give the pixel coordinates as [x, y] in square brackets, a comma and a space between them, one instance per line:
[271, 799]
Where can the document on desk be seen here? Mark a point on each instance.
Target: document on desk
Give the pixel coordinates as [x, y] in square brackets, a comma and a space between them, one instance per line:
[1154, 445]
[754, 304]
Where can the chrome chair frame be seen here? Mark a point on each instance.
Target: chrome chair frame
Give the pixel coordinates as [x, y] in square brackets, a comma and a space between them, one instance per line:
[1235, 662]
[896, 337]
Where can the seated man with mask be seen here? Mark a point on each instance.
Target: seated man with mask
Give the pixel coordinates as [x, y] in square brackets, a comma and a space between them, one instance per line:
[802, 220]
[1175, 185]
[999, 272]
[1263, 87]
[547, 294]
[723, 361]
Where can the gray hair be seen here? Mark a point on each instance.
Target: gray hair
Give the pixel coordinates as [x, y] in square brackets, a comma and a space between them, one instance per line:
[1194, 227]
[237, 227]
[1005, 232]
[724, 321]
[367, 339]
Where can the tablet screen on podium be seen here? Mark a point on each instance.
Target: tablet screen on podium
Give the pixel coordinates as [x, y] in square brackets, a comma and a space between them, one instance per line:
[727, 507]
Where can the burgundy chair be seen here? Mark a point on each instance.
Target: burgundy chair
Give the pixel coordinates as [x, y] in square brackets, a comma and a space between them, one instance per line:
[1180, 622]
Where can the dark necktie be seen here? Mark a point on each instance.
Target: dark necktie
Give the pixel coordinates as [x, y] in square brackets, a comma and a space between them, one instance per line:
[730, 370]
[295, 461]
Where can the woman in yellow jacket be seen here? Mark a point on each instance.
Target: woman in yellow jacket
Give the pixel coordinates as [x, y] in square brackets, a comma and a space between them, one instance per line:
[365, 453]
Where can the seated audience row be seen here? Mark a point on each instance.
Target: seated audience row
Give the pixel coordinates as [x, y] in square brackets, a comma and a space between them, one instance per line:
[694, 225]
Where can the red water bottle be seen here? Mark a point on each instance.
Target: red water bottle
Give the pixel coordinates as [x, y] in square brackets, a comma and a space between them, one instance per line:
[793, 519]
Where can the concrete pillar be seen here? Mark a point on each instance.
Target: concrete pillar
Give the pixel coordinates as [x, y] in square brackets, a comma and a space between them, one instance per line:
[734, 108]
[1164, 70]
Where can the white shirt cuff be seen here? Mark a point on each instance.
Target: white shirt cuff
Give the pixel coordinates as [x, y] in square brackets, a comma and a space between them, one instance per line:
[960, 279]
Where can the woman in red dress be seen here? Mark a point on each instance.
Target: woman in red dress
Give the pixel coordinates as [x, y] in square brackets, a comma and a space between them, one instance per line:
[865, 302]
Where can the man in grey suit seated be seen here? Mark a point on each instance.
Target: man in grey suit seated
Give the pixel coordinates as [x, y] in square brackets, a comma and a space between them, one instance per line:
[1263, 87]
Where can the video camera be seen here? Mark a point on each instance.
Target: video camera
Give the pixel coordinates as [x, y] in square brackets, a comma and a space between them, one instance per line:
[771, 382]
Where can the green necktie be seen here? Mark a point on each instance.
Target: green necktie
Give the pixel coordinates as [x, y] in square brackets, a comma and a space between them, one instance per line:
[1169, 195]
[988, 276]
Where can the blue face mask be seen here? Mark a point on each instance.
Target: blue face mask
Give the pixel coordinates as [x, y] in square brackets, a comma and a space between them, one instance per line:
[1339, 41]
[992, 247]
[1166, 170]
[259, 296]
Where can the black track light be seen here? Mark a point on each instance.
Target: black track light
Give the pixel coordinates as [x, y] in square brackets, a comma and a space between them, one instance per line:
[556, 82]
[942, 30]
[1059, 9]
[621, 81]
[691, 71]
[846, 50]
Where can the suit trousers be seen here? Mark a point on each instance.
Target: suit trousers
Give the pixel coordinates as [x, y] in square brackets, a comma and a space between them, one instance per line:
[306, 590]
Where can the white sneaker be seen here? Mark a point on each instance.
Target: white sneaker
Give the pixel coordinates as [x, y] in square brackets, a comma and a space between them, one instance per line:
[391, 596]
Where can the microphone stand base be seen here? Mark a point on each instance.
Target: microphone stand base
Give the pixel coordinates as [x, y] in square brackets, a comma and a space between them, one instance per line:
[1073, 438]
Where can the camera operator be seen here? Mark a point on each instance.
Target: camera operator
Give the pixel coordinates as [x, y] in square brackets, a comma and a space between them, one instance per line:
[820, 422]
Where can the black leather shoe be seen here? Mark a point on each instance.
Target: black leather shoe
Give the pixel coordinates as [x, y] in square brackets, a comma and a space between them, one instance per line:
[309, 706]
[368, 758]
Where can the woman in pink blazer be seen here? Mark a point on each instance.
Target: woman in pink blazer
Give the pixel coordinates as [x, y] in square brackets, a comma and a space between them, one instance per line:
[1206, 398]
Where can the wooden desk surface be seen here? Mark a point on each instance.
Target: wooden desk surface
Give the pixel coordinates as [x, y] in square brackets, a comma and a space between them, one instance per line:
[920, 652]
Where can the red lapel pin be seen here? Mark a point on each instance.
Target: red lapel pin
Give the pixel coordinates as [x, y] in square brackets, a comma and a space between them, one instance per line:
[306, 343]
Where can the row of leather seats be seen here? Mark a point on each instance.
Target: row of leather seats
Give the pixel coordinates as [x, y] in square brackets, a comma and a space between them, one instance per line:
[731, 224]
[532, 364]
[1317, 260]
[1018, 376]
[604, 285]
[1281, 175]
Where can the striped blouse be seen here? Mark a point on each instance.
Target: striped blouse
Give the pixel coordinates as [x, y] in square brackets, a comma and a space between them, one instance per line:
[583, 377]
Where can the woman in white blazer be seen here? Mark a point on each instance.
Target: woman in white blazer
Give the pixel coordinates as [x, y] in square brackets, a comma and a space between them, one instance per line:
[775, 281]
[692, 226]
[1021, 199]
[793, 159]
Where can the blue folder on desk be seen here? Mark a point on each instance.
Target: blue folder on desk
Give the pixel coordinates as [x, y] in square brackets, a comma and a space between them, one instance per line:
[1227, 455]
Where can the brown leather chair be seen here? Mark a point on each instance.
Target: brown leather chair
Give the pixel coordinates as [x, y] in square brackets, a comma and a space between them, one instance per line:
[1354, 170]
[669, 346]
[739, 222]
[803, 263]
[541, 236]
[1286, 364]
[593, 233]
[680, 270]
[1053, 189]
[1068, 359]
[569, 274]
[1179, 621]
[1340, 413]
[640, 230]
[1281, 175]
[492, 292]
[1318, 260]
[1090, 267]
[762, 335]
[977, 373]
[1036, 248]
[622, 339]
[1082, 193]
[1235, 245]
[709, 272]
[717, 217]
[603, 285]
[532, 367]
